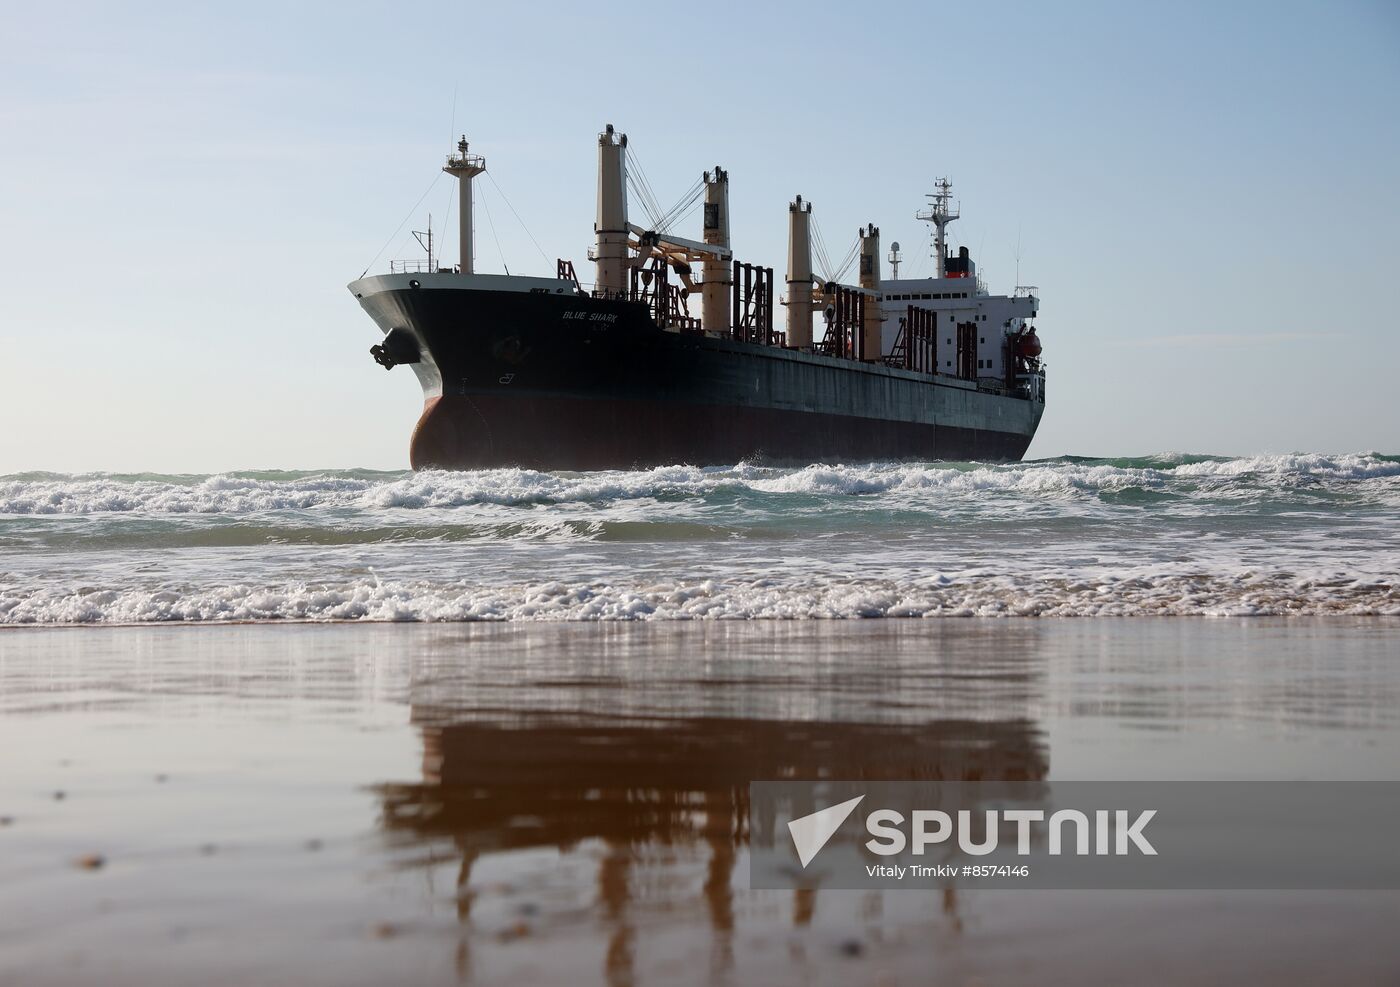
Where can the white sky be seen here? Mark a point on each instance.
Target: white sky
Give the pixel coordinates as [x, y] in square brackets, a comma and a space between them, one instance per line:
[1207, 199]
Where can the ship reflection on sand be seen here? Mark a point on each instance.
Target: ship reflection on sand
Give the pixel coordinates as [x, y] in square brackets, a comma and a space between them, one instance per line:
[540, 803]
[610, 802]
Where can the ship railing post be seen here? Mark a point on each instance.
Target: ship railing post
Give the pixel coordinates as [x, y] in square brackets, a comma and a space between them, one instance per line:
[663, 286]
[860, 318]
[843, 318]
[838, 323]
[925, 345]
[925, 353]
[833, 325]
[832, 338]
[855, 335]
[746, 308]
[853, 323]
[930, 343]
[768, 309]
[853, 326]
[848, 337]
[750, 309]
[931, 327]
[734, 298]
[910, 334]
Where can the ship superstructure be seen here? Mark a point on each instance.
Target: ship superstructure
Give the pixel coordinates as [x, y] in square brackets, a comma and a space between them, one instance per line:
[630, 371]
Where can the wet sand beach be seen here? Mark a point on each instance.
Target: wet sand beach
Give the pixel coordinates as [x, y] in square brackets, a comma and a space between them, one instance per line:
[566, 803]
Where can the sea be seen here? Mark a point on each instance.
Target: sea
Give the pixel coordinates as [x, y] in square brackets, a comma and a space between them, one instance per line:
[1300, 534]
[333, 727]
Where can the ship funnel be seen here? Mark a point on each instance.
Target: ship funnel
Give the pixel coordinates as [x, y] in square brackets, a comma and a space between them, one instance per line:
[870, 280]
[465, 166]
[717, 286]
[610, 227]
[799, 275]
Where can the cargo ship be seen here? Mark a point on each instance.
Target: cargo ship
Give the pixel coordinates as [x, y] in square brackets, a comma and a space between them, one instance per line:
[673, 355]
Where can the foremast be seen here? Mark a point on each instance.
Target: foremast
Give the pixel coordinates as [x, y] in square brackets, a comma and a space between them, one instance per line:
[465, 166]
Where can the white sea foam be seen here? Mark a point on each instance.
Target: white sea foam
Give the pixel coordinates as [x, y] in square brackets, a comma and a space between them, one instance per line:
[1294, 534]
[1355, 466]
[1244, 593]
[238, 495]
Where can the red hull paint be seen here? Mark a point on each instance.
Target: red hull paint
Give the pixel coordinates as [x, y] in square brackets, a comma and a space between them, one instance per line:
[549, 432]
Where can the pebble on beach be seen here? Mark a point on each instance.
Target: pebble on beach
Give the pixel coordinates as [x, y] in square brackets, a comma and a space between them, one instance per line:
[90, 861]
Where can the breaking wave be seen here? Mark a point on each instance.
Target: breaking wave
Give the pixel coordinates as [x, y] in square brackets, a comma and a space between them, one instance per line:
[1169, 534]
[247, 493]
[1250, 594]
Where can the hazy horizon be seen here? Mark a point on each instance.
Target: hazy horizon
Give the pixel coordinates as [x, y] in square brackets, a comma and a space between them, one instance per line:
[1205, 197]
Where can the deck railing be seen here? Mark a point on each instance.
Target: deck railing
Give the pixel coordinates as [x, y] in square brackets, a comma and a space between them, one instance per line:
[415, 267]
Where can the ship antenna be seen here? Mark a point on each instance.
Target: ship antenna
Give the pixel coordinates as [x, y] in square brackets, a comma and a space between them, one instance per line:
[940, 215]
[1018, 255]
[453, 129]
[428, 244]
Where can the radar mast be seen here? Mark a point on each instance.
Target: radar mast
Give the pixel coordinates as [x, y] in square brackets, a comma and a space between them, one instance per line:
[940, 214]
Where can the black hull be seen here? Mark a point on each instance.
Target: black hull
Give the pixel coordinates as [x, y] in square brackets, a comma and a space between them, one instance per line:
[552, 381]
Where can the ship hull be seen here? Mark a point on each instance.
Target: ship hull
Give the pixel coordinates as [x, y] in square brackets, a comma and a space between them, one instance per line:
[568, 433]
[552, 380]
